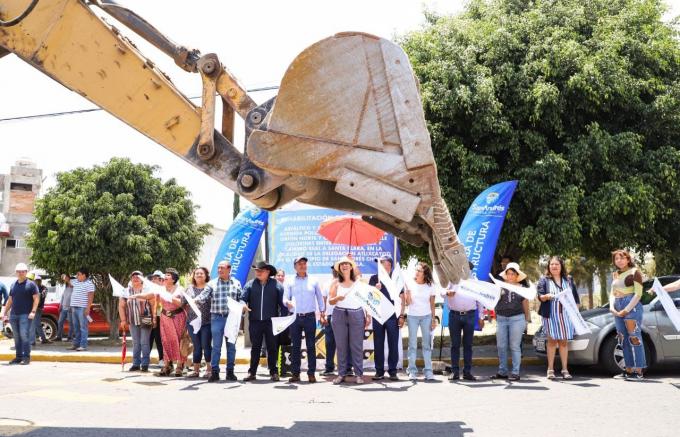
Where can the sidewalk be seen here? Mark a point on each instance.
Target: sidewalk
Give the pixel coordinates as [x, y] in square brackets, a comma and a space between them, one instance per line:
[101, 351]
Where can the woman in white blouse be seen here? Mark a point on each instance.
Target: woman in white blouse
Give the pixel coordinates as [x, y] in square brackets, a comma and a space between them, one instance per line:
[419, 297]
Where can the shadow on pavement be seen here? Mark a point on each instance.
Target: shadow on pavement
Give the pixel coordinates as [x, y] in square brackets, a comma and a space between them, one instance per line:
[374, 429]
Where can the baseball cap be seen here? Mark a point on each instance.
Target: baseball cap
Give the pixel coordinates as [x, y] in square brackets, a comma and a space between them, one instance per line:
[302, 258]
[21, 267]
[137, 273]
[159, 274]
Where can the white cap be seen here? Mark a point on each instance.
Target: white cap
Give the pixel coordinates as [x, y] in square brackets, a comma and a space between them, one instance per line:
[21, 267]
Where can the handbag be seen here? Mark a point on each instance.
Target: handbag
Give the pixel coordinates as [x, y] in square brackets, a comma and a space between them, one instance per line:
[146, 319]
[186, 346]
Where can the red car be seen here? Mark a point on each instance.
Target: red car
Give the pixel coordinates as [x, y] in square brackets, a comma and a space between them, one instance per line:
[50, 317]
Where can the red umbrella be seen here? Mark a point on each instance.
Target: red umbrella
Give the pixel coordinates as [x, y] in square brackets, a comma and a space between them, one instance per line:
[350, 230]
[123, 351]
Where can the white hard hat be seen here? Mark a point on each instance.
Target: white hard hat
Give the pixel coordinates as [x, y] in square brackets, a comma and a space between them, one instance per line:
[21, 267]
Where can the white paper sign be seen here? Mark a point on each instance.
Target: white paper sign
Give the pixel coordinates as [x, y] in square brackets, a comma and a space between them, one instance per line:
[118, 290]
[486, 293]
[529, 293]
[570, 307]
[387, 281]
[197, 322]
[279, 324]
[668, 304]
[376, 303]
[233, 319]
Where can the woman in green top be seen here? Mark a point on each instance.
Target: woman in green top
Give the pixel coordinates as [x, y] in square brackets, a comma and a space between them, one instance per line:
[624, 303]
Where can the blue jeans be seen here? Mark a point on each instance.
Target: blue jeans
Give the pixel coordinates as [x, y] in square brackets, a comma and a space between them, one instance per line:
[391, 329]
[466, 323]
[141, 346]
[306, 323]
[23, 336]
[424, 323]
[201, 341]
[80, 325]
[631, 342]
[63, 316]
[217, 322]
[509, 337]
[36, 326]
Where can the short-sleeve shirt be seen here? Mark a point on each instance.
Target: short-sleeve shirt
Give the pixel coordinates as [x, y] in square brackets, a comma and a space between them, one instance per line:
[22, 296]
[81, 290]
[420, 300]
[203, 307]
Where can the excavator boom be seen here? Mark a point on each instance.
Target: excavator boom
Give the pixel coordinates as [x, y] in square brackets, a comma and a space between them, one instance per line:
[345, 131]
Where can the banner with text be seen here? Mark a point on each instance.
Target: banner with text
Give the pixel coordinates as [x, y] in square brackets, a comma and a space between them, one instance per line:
[293, 233]
[240, 242]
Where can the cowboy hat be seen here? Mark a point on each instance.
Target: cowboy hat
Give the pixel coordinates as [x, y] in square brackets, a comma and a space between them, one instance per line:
[342, 260]
[262, 265]
[514, 266]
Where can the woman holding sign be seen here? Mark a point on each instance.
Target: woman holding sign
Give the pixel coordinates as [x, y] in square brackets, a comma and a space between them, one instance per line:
[419, 297]
[556, 323]
[202, 340]
[349, 321]
[624, 303]
[136, 313]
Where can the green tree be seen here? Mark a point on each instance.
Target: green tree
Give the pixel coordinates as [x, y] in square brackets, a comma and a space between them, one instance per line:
[577, 99]
[114, 219]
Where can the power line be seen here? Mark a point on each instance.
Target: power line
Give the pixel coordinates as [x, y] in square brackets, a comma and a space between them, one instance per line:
[85, 111]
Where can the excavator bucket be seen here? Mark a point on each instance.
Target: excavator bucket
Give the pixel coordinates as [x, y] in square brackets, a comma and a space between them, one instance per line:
[348, 131]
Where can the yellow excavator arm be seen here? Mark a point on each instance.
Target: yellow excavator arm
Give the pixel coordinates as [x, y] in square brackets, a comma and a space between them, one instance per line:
[345, 131]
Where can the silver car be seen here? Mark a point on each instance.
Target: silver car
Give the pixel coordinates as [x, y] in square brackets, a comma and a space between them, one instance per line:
[601, 348]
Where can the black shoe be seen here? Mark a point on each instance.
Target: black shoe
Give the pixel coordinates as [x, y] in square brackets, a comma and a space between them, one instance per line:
[499, 376]
[394, 377]
[378, 377]
[327, 373]
[25, 362]
[275, 377]
[469, 377]
[15, 361]
[214, 377]
[455, 376]
[134, 369]
[231, 377]
[145, 369]
[513, 377]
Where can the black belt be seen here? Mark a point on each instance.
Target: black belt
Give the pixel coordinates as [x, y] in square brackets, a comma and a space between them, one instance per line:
[305, 314]
[462, 313]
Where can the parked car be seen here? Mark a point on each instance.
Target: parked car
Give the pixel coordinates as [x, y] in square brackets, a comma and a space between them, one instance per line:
[601, 348]
[50, 317]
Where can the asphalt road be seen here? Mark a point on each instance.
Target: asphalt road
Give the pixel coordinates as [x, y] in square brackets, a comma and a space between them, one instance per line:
[67, 399]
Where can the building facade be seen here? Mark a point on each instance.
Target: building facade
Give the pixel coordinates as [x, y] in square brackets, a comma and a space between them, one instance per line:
[18, 192]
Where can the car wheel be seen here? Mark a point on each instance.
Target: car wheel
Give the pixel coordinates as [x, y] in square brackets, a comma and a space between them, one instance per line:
[49, 327]
[611, 355]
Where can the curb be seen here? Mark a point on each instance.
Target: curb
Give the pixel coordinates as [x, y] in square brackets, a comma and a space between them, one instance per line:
[110, 359]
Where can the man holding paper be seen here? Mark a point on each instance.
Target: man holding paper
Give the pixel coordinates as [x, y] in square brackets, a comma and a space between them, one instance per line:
[306, 293]
[383, 282]
[464, 311]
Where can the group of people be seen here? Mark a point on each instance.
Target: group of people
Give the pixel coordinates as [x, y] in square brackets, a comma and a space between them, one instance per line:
[172, 324]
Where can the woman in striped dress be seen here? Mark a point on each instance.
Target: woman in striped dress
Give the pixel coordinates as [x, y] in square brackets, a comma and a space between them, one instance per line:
[556, 323]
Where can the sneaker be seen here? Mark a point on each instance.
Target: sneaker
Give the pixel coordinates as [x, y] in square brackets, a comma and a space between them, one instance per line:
[631, 377]
[134, 369]
[378, 377]
[81, 349]
[455, 376]
[214, 377]
[430, 378]
[145, 369]
[412, 377]
[327, 373]
[15, 361]
[513, 377]
[231, 377]
[25, 362]
[622, 375]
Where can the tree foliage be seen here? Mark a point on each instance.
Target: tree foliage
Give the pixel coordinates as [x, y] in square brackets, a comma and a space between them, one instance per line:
[114, 219]
[577, 99]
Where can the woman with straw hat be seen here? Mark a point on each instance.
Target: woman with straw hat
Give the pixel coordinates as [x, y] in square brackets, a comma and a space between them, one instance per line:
[349, 321]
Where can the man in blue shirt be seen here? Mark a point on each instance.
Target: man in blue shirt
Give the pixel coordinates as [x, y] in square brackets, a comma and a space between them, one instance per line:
[20, 309]
[302, 295]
